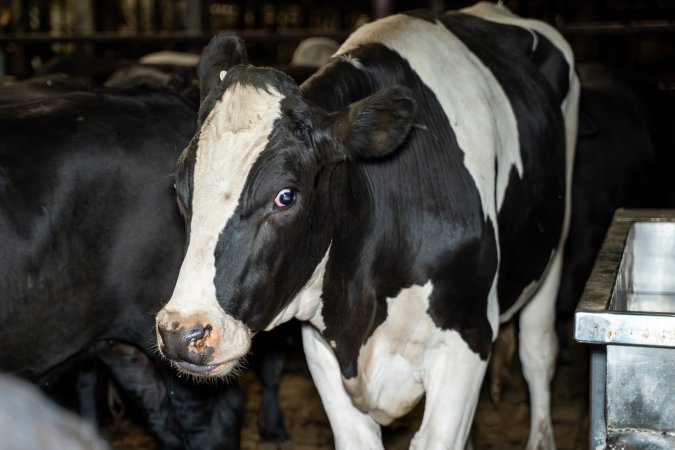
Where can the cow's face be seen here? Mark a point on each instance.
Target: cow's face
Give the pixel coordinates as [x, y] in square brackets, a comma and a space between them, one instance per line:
[252, 187]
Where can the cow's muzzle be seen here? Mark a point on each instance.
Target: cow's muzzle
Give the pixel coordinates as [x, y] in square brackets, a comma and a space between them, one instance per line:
[200, 346]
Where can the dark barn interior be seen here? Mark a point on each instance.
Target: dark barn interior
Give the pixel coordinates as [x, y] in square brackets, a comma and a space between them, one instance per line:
[634, 35]
[83, 43]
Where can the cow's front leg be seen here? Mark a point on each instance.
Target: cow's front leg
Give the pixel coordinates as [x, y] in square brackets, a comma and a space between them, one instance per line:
[453, 375]
[352, 429]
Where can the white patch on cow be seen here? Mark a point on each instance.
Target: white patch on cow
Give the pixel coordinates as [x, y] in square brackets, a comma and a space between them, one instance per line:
[352, 429]
[408, 355]
[389, 380]
[231, 138]
[306, 306]
[348, 58]
[222, 74]
[535, 41]
[493, 308]
[474, 102]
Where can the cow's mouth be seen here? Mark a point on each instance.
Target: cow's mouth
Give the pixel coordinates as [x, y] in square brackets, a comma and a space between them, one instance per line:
[207, 370]
[195, 368]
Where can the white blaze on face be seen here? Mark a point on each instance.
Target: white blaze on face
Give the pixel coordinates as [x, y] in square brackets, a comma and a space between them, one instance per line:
[231, 138]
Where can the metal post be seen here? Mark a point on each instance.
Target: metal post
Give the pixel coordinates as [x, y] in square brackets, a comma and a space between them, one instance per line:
[598, 428]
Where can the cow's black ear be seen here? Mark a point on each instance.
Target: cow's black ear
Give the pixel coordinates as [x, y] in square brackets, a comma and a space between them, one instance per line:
[377, 125]
[226, 49]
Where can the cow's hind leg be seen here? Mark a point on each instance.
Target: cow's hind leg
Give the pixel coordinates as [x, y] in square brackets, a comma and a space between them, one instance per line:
[538, 347]
[453, 377]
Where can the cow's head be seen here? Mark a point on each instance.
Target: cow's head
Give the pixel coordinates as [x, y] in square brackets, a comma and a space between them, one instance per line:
[254, 187]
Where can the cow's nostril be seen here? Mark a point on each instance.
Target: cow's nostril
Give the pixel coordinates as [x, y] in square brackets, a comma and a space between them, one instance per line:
[186, 344]
[197, 338]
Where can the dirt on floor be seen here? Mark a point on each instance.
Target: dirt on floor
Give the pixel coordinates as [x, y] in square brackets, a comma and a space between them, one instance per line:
[503, 426]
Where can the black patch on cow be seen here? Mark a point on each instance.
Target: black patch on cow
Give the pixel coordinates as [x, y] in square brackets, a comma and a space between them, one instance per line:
[472, 266]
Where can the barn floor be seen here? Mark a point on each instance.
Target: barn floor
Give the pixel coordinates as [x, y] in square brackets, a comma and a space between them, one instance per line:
[503, 426]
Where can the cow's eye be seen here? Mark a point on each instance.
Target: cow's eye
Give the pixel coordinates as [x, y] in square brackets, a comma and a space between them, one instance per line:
[284, 198]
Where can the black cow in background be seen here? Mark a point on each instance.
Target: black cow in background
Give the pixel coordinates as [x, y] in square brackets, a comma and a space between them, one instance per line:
[91, 245]
[624, 158]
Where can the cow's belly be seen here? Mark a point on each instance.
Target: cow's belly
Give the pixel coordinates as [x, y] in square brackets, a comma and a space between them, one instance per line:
[389, 382]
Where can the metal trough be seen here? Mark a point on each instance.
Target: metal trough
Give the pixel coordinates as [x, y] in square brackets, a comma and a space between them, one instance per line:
[627, 313]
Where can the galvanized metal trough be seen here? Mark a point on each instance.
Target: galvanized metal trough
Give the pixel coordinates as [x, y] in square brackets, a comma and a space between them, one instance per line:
[627, 314]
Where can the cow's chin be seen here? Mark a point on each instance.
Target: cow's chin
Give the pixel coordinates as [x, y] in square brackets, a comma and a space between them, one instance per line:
[210, 371]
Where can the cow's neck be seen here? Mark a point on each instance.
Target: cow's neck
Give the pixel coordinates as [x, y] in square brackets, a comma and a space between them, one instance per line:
[353, 302]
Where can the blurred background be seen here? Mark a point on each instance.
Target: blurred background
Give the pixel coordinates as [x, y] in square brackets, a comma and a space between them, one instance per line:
[638, 35]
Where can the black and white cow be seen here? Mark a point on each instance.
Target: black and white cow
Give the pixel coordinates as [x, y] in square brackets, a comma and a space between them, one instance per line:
[401, 202]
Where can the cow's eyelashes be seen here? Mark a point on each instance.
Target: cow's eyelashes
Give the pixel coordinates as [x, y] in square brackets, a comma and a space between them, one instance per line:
[284, 198]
